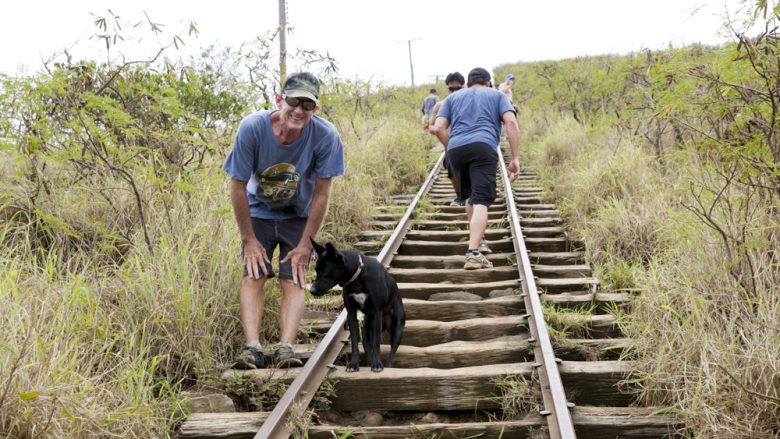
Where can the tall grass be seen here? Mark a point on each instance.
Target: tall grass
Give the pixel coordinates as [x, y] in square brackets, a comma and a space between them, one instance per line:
[103, 351]
[100, 335]
[705, 324]
[609, 194]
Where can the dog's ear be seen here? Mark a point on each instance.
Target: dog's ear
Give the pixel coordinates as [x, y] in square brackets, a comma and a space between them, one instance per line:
[333, 252]
[317, 248]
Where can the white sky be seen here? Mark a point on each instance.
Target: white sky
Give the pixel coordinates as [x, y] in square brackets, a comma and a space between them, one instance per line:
[366, 36]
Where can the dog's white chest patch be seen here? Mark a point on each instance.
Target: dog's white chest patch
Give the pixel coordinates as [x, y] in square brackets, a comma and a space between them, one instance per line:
[360, 298]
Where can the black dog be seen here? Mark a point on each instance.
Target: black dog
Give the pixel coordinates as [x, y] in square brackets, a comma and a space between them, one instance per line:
[367, 287]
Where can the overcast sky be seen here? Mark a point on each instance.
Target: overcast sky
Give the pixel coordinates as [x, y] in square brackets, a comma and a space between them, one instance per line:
[367, 37]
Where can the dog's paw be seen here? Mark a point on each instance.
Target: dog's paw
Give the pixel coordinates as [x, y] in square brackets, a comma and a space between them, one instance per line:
[376, 368]
[353, 368]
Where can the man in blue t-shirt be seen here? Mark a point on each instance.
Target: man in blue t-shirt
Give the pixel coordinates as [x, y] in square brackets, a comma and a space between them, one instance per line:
[474, 117]
[427, 107]
[281, 167]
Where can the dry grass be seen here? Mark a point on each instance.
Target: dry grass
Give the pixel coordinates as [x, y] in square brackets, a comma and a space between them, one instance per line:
[101, 336]
[104, 350]
[519, 396]
[720, 363]
[712, 298]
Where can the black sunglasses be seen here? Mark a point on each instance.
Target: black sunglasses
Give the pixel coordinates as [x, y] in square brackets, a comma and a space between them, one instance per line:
[454, 88]
[307, 104]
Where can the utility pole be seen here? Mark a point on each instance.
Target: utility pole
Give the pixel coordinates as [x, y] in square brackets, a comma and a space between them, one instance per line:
[282, 42]
[411, 67]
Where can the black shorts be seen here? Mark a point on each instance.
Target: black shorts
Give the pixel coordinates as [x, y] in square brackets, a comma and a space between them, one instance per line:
[284, 233]
[448, 167]
[474, 165]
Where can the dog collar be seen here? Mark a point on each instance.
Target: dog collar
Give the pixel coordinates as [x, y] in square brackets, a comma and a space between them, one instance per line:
[357, 272]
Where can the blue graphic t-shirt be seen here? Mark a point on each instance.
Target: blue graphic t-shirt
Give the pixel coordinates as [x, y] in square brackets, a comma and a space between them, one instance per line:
[281, 177]
[475, 116]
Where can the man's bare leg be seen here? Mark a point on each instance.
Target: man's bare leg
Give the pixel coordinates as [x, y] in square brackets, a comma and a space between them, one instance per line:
[478, 218]
[252, 302]
[293, 301]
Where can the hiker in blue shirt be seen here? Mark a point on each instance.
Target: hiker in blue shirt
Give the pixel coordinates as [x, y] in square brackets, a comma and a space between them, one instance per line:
[281, 167]
[469, 125]
[427, 107]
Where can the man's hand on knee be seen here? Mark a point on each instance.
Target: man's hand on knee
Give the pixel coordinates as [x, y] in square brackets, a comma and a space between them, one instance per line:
[255, 258]
[299, 258]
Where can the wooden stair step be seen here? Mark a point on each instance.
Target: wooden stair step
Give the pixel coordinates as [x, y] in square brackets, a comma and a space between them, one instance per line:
[496, 207]
[457, 224]
[623, 422]
[453, 275]
[556, 258]
[565, 284]
[502, 429]
[589, 422]
[432, 332]
[455, 216]
[603, 382]
[447, 261]
[440, 201]
[422, 333]
[383, 225]
[423, 389]
[423, 291]
[590, 349]
[539, 222]
[578, 270]
[222, 425]
[417, 247]
[584, 299]
[387, 217]
[455, 235]
[527, 189]
[538, 213]
[543, 232]
[469, 388]
[459, 353]
[558, 244]
[595, 325]
[534, 206]
[450, 310]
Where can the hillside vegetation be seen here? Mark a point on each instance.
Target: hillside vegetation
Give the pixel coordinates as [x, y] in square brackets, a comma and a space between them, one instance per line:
[118, 249]
[667, 165]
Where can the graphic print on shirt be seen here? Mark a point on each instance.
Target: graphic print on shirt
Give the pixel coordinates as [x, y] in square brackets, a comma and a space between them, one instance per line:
[280, 181]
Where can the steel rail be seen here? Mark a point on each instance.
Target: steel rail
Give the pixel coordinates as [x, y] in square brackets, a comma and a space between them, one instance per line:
[301, 391]
[556, 406]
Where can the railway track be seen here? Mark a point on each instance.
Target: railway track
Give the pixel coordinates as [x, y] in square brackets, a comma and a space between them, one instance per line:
[477, 358]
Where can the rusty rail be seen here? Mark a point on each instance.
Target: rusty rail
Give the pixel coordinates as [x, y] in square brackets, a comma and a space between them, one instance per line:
[302, 390]
[556, 407]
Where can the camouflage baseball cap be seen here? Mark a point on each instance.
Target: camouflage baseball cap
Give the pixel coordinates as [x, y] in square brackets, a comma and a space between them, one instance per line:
[302, 85]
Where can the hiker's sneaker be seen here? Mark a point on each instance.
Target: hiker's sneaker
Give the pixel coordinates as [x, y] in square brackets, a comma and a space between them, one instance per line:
[483, 247]
[476, 261]
[457, 202]
[249, 358]
[284, 356]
